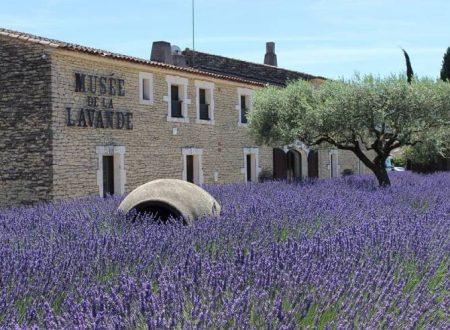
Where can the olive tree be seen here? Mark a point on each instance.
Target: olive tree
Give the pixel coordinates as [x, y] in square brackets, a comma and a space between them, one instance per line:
[367, 115]
[435, 146]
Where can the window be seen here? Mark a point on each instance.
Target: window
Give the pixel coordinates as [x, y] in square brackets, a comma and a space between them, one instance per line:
[334, 166]
[204, 107]
[145, 88]
[251, 167]
[192, 165]
[177, 101]
[111, 171]
[244, 105]
[205, 102]
[244, 109]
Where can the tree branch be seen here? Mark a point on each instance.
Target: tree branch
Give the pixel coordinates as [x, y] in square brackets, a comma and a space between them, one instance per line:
[330, 140]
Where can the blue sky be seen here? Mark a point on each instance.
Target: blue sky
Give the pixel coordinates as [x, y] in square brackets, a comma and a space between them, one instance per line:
[329, 38]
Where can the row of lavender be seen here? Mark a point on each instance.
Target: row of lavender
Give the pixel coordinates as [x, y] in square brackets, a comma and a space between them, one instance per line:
[339, 252]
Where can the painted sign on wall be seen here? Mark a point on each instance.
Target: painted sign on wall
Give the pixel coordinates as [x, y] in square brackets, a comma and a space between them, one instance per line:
[99, 111]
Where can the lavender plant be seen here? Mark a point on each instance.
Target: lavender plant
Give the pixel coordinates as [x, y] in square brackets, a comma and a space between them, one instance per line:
[334, 253]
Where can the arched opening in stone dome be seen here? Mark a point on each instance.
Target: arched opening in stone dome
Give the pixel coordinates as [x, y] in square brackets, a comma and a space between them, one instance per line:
[161, 211]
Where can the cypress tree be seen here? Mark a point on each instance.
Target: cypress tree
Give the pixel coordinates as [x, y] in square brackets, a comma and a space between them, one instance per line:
[409, 70]
[445, 71]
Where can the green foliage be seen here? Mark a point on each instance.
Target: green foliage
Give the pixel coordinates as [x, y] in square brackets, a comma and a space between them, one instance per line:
[365, 106]
[327, 316]
[399, 160]
[436, 144]
[22, 306]
[445, 71]
[58, 301]
[308, 319]
[362, 114]
[409, 70]
[439, 276]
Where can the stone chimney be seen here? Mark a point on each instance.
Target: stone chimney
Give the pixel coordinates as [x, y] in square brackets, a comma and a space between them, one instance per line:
[161, 52]
[270, 58]
[178, 58]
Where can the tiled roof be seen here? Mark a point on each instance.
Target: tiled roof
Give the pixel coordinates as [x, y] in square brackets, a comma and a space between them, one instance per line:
[94, 51]
[266, 74]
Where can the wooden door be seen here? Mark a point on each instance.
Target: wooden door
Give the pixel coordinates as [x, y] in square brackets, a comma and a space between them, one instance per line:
[279, 164]
[313, 164]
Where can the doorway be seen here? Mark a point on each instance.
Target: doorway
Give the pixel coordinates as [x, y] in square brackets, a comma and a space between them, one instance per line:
[294, 165]
[249, 167]
[279, 164]
[108, 175]
[190, 168]
[192, 165]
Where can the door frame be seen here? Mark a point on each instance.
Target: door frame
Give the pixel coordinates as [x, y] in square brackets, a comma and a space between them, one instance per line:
[198, 167]
[118, 152]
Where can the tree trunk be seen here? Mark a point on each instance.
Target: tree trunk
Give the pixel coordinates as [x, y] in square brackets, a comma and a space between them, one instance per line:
[376, 166]
[382, 176]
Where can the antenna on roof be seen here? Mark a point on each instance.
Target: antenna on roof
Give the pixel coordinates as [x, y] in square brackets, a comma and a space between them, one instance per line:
[193, 33]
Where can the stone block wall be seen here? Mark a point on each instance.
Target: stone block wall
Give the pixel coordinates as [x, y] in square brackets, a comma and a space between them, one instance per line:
[346, 160]
[25, 123]
[42, 158]
[152, 150]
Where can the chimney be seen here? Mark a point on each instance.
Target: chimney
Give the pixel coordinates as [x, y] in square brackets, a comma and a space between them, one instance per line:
[178, 58]
[161, 52]
[270, 58]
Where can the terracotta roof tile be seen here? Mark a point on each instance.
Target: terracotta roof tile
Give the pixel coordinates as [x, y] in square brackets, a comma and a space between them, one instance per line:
[263, 73]
[204, 64]
[94, 51]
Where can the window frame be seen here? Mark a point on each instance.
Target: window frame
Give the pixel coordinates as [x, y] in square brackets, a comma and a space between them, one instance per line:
[177, 99]
[248, 94]
[209, 94]
[182, 84]
[148, 76]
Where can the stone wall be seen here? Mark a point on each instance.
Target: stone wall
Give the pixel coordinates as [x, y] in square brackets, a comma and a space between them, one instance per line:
[151, 149]
[42, 158]
[25, 123]
[346, 160]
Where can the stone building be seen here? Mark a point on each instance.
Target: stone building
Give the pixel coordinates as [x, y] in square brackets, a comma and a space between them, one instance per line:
[77, 121]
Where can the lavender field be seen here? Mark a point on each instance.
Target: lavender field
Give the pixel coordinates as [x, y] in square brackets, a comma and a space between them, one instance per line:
[335, 253]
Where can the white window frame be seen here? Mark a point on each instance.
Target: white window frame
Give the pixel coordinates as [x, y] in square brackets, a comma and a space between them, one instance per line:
[118, 152]
[182, 84]
[142, 76]
[198, 153]
[249, 96]
[209, 90]
[334, 152]
[256, 170]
